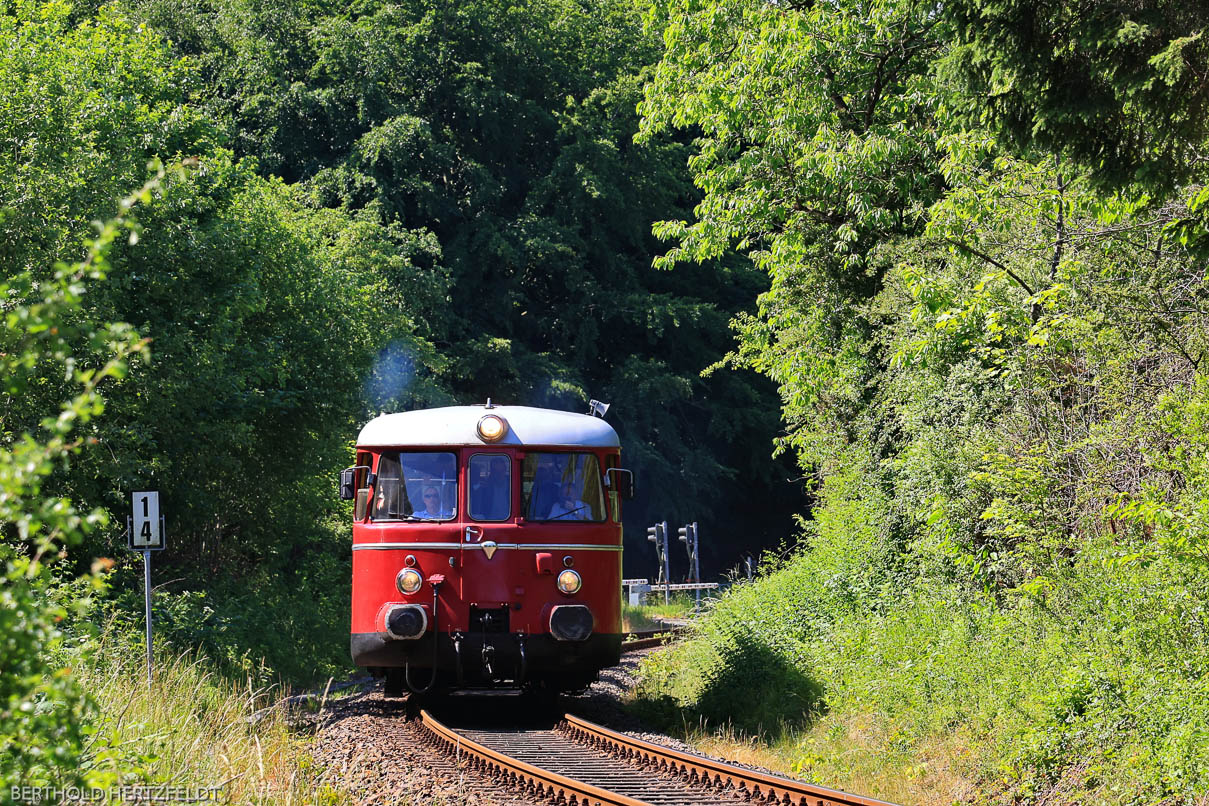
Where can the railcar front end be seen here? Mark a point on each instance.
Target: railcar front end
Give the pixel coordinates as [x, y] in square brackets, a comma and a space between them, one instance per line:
[486, 548]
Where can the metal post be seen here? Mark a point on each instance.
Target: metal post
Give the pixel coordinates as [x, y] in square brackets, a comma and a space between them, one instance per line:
[696, 568]
[147, 589]
[667, 566]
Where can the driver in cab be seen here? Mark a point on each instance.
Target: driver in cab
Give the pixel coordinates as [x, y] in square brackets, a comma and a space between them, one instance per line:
[568, 507]
[432, 506]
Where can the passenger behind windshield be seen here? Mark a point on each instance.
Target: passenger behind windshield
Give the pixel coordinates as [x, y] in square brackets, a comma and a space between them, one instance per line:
[562, 487]
[415, 486]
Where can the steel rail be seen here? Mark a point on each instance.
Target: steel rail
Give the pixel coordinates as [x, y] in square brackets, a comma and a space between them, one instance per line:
[645, 643]
[651, 637]
[772, 788]
[539, 782]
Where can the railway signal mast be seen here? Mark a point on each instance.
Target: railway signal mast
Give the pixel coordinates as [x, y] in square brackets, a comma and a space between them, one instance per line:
[657, 534]
[688, 536]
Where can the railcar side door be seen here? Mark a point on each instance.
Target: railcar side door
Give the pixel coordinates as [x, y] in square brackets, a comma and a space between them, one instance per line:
[488, 539]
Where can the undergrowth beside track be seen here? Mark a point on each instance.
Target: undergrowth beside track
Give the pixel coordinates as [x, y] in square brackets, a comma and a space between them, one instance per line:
[191, 729]
[653, 614]
[1095, 690]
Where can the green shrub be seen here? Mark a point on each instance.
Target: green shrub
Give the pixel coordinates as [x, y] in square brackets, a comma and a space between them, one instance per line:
[44, 710]
[1107, 675]
[756, 638]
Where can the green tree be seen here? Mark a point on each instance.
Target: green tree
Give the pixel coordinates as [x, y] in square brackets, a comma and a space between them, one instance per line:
[817, 144]
[87, 103]
[1118, 87]
[1000, 388]
[507, 134]
[265, 317]
[43, 712]
[264, 314]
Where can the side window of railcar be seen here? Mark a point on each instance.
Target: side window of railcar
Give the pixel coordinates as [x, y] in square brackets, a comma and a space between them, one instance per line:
[562, 487]
[416, 486]
[490, 487]
[361, 484]
[614, 497]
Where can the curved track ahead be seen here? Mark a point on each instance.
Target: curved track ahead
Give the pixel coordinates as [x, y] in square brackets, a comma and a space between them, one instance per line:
[584, 763]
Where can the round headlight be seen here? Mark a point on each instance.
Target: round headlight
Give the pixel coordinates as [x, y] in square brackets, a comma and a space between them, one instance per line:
[569, 582]
[409, 580]
[492, 428]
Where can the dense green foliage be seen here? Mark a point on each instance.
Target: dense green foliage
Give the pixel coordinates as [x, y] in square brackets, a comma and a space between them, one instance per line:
[987, 321]
[243, 411]
[43, 711]
[1120, 87]
[965, 242]
[385, 207]
[504, 134]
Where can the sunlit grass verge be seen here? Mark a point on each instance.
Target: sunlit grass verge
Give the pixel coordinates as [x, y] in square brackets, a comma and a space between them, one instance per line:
[650, 615]
[854, 751]
[190, 728]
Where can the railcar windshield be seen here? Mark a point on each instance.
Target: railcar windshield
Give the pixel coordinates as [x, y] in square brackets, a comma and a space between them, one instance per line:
[562, 487]
[416, 487]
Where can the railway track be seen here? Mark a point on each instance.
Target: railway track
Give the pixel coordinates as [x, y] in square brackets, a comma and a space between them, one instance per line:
[584, 764]
[646, 639]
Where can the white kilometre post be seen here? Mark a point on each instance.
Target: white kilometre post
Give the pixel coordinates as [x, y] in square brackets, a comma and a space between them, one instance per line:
[146, 534]
[147, 608]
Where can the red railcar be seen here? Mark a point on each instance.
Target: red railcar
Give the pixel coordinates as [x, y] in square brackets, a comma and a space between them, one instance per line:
[486, 548]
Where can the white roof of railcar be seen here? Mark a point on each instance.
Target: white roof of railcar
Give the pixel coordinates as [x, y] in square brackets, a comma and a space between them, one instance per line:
[458, 425]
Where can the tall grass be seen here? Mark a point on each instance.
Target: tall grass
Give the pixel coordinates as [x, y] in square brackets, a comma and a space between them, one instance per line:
[651, 614]
[856, 751]
[190, 728]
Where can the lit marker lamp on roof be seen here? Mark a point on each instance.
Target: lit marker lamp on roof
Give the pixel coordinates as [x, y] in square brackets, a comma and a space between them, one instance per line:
[492, 428]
